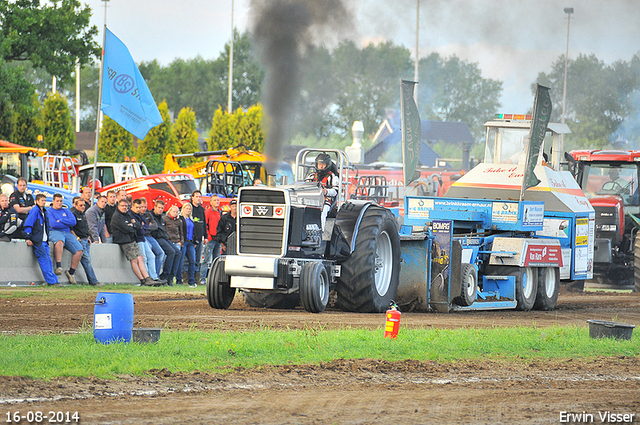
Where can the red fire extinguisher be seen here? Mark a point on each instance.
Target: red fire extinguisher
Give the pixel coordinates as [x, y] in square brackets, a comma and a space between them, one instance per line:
[393, 321]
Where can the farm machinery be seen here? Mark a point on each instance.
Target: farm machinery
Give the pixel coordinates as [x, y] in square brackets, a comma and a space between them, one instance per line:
[481, 246]
[609, 179]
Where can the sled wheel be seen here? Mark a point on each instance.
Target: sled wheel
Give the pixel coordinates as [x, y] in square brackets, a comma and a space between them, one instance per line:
[314, 287]
[219, 294]
[369, 277]
[468, 285]
[548, 287]
[526, 284]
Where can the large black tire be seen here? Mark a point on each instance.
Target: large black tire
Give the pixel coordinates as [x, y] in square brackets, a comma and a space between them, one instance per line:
[468, 285]
[314, 287]
[548, 288]
[369, 277]
[272, 300]
[219, 294]
[526, 284]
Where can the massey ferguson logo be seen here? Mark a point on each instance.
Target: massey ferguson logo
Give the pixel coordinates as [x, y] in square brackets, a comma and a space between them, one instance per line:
[262, 210]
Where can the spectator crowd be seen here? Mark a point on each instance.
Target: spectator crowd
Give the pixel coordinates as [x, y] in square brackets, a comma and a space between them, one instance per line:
[164, 248]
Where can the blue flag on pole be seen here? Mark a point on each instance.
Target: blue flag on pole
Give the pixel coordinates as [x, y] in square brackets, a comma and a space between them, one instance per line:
[126, 99]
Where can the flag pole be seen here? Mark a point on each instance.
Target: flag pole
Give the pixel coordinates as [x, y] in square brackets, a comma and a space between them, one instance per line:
[95, 148]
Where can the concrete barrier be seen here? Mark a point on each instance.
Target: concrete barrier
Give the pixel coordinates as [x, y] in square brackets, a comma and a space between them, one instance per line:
[18, 265]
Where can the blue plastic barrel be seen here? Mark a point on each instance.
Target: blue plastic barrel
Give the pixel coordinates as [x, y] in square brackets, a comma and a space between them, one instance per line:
[113, 317]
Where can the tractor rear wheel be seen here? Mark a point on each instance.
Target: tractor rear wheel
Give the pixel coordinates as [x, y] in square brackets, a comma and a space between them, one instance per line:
[548, 287]
[468, 285]
[314, 287]
[369, 277]
[219, 294]
[271, 300]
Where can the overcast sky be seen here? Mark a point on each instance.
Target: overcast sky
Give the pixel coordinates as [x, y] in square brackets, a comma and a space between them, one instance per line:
[512, 41]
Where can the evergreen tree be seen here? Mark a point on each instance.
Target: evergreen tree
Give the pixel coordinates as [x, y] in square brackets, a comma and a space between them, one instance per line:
[28, 125]
[56, 121]
[115, 142]
[250, 130]
[222, 134]
[157, 143]
[7, 123]
[186, 134]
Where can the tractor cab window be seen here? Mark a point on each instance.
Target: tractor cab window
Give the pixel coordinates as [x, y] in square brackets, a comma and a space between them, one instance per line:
[103, 174]
[612, 179]
[184, 187]
[10, 164]
[509, 145]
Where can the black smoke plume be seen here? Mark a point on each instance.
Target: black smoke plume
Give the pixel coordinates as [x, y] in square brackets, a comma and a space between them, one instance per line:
[282, 30]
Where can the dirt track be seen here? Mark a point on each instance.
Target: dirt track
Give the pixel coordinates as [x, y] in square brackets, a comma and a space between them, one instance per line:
[344, 391]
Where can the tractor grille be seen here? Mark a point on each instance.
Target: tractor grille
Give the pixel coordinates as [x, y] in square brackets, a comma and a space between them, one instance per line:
[261, 236]
[261, 196]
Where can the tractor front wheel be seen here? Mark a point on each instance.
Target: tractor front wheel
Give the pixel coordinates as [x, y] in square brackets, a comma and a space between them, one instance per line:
[314, 287]
[220, 294]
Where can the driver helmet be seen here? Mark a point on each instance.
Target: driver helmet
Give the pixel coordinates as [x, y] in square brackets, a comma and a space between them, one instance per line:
[325, 159]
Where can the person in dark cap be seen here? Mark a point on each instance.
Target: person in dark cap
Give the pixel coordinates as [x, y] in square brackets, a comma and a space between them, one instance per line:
[227, 225]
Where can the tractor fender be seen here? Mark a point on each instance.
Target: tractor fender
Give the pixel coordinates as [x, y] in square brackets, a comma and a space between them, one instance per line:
[345, 229]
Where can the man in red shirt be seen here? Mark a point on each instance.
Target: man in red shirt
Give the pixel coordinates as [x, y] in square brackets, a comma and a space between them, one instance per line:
[212, 249]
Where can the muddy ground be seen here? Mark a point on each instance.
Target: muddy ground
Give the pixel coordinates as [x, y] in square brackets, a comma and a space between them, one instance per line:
[344, 391]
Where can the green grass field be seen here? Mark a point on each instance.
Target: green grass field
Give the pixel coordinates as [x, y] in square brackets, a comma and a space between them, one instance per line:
[77, 354]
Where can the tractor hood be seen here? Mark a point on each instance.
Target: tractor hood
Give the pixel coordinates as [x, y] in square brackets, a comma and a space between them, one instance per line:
[607, 201]
[558, 190]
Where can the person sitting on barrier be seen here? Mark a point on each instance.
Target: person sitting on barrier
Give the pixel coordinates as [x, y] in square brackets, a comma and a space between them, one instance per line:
[36, 230]
[20, 200]
[171, 251]
[81, 231]
[10, 222]
[61, 221]
[149, 225]
[124, 227]
[145, 247]
[96, 220]
[324, 175]
[173, 226]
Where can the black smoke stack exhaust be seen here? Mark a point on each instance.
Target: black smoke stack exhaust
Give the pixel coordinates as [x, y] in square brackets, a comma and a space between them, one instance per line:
[282, 30]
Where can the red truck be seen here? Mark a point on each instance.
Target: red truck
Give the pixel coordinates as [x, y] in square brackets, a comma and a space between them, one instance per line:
[609, 178]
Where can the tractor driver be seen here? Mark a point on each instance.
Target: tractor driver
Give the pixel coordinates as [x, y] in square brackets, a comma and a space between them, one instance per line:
[324, 175]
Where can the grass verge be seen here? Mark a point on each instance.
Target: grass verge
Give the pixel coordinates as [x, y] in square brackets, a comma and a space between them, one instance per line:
[49, 356]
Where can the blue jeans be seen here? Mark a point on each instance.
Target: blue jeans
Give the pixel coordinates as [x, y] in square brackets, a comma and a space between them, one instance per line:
[189, 252]
[149, 259]
[172, 260]
[211, 252]
[158, 252]
[70, 241]
[44, 260]
[86, 262]
[179, 266]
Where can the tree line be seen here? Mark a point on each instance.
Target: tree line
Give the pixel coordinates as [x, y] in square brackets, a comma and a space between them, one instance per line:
[338, 86]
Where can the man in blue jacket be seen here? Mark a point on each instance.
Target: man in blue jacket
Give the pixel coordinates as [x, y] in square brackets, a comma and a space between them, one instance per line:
[36, 230]
[61, 220]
